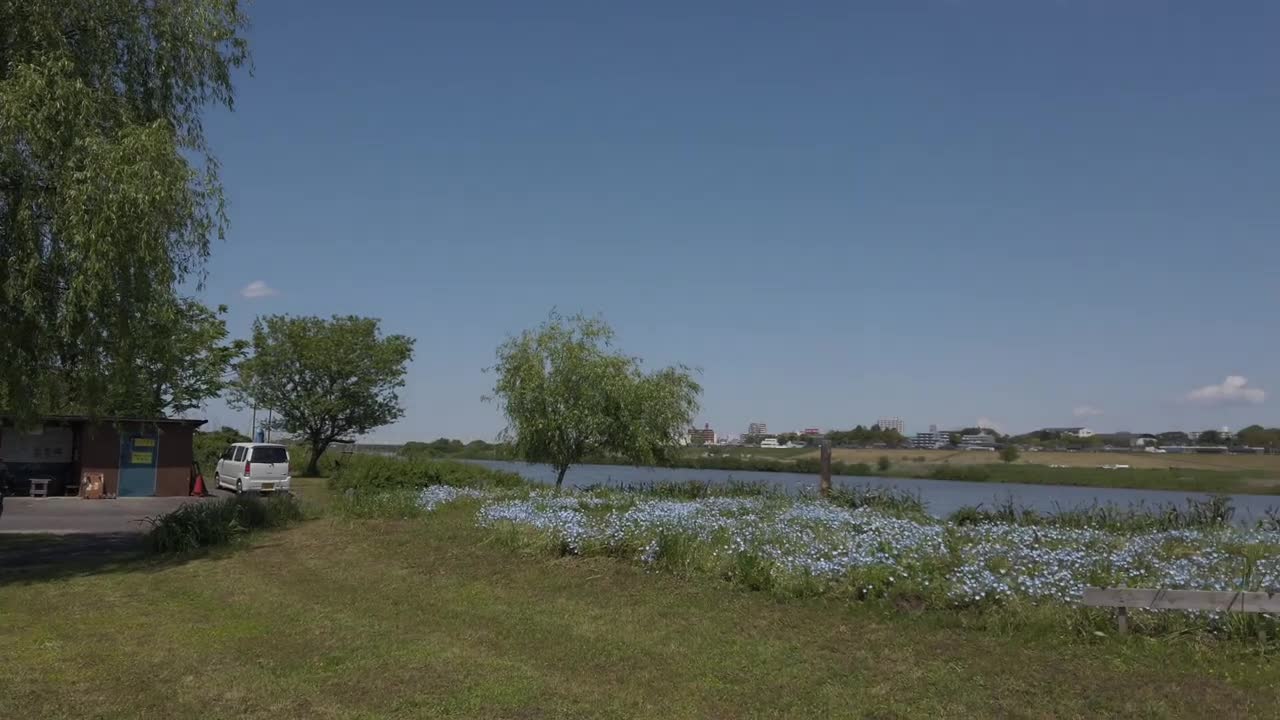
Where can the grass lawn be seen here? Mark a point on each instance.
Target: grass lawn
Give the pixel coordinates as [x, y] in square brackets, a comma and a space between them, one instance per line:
[431, 618]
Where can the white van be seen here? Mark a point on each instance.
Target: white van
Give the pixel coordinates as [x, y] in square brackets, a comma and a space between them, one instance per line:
[259, 467]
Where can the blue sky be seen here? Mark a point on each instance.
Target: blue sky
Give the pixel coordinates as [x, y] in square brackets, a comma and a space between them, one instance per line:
[1038, 213]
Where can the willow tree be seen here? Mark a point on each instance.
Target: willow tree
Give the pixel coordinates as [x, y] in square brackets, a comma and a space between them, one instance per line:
[109, 194]
[568, 394]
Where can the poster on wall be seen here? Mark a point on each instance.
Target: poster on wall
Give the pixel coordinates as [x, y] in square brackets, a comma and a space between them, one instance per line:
[51, 445]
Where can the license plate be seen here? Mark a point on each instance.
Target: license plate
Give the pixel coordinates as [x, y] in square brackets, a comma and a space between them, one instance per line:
[267, 486]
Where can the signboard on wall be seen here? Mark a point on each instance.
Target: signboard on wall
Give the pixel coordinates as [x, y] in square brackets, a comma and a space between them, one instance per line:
[50, 445]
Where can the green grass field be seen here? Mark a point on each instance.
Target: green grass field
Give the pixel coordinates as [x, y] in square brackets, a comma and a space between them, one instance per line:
[430, 618]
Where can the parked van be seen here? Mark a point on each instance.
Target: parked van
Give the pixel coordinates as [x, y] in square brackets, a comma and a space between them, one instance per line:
[257, 467]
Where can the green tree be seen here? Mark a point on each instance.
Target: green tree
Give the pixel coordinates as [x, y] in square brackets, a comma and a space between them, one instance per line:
[567, 394]
[883, 464]
[109, 194]
[1258, 436]
[1010, 453]
[326, 380]
[176, 364]
[1209, 437]
[208, 446]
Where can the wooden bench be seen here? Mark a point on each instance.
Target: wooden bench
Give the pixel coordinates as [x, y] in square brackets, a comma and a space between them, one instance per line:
[1216, 601]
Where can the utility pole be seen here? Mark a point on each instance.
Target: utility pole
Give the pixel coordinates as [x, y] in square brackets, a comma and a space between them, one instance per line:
[824, 477]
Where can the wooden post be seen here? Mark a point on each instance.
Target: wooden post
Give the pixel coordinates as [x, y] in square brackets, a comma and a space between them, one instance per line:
[824, 477]
[1122, 619]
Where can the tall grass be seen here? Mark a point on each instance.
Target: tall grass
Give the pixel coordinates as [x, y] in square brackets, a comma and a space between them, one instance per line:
[692, 489]
[1215, 512]
[218, 522]
[891, 500]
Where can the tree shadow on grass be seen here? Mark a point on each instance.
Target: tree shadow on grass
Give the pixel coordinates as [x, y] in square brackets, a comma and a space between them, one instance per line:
[26, 559]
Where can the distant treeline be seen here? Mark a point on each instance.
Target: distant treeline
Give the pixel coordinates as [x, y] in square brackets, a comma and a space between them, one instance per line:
[456, 449]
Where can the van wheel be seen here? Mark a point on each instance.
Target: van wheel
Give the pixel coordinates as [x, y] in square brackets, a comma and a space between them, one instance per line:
[239, 487]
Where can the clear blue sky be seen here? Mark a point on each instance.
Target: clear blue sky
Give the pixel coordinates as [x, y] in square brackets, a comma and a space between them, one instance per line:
[1028, 211]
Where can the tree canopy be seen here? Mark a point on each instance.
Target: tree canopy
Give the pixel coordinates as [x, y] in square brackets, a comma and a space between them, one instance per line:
[325, 380]
[568, 394]
[863, 436]
[109, 195]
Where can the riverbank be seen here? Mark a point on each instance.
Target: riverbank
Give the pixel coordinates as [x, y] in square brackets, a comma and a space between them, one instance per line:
[1246, 475]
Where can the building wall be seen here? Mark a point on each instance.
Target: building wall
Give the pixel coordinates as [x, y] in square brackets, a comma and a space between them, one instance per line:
[100, 453]
[891, 423]
[173, 471]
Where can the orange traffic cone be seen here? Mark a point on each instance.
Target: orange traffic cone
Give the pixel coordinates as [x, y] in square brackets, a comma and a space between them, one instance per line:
[198, 490]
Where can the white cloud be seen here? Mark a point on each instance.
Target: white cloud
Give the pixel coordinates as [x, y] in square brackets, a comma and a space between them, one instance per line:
[258, 289]
[1085, 411]
[1232, 391]
[989, 424]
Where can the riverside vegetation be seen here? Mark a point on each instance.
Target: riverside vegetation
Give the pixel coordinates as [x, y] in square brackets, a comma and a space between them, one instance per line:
[864, 543]
[489, 597]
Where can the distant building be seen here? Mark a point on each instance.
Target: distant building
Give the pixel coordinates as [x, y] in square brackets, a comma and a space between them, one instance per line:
[770, 443]
[891, 423]
[757, 429]
[705, 436]
[812, 431]
[977, 440]
[1075, 432]
[931, 440]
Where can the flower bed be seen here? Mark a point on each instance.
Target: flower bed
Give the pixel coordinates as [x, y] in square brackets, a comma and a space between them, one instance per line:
[811, 547]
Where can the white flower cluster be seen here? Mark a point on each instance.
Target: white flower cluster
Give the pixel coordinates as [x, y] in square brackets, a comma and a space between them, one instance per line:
[829, 544]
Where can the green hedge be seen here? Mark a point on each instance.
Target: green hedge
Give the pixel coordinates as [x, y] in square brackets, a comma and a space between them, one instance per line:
[366, 473]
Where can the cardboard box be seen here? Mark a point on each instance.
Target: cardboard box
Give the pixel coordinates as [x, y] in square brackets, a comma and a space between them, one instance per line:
[91, 486]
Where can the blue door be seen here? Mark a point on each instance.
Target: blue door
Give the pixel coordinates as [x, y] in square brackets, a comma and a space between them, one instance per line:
[138, 465]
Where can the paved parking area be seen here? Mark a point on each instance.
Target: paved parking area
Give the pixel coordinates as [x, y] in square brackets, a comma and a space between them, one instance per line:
[66, 516]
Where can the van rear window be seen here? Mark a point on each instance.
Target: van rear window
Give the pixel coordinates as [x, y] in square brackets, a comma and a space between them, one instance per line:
[270, 455]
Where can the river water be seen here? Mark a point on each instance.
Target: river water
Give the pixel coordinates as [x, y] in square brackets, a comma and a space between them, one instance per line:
[941, 496]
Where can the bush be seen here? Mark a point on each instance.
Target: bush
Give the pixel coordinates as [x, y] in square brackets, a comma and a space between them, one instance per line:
[372, 473]
[1009, 453]
[218, 522]
[883, 463]
[300, 455]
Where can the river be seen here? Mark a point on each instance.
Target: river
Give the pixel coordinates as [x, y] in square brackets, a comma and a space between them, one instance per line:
[941, 496]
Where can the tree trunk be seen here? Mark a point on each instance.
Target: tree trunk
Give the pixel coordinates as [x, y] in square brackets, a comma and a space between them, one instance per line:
[560, 476]
[313, 462]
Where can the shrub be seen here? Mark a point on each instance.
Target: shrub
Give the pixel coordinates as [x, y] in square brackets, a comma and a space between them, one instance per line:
[300, 457]
[217, 522]
[1009, 453]
[372, 473]
[883, 463]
